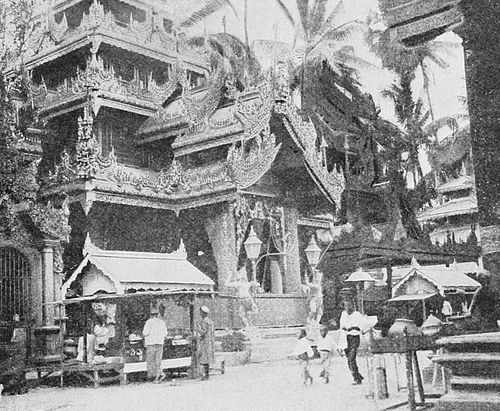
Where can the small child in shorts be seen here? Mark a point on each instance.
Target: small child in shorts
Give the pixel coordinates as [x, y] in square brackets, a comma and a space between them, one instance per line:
[303, 352]
[326, 347]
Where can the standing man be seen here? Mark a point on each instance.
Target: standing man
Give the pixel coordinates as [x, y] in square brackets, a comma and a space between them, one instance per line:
[206, 335]
[351, 322]
[155, 332]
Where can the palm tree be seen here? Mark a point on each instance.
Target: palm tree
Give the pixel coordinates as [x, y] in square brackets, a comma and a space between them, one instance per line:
[405, 61]
[418, 132]
[316, 35]
[210, 7]
[230, 53]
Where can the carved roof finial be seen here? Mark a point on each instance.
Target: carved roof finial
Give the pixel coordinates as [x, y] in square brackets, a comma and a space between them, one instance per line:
[181, 251]
[88, 247]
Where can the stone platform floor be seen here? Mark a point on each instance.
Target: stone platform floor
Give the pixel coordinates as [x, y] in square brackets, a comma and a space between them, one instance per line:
[274, 385]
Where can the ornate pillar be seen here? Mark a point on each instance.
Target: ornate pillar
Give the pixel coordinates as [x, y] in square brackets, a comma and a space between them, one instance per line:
[48, 280]
[221, 230]
[291, 277]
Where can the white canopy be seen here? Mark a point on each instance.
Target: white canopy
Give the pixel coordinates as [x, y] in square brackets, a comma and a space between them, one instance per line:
[120, 271]
[443, 278]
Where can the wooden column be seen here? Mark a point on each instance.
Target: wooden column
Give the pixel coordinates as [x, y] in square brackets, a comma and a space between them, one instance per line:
[291, 277]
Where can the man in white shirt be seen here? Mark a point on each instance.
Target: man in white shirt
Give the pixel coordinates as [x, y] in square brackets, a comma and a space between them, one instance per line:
[155, 332]
[352, 323]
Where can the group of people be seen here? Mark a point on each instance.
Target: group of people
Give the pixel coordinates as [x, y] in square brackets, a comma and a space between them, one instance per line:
[352, 326]
[155, 332]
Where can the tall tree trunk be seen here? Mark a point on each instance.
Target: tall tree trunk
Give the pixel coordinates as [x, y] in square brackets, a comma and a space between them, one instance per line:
[245, 23]
[427, 92]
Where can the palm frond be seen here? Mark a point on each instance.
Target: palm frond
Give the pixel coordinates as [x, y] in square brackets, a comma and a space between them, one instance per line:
[346, 55]
[433, 128]
[211, 7]
[286, 12]
[317, 18]
[341, 32]
[303, 7]
[438, 61]
[339, 8]
[424, 118]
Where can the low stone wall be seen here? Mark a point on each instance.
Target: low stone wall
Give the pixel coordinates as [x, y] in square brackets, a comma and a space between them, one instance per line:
[274, 311]
[285, 310]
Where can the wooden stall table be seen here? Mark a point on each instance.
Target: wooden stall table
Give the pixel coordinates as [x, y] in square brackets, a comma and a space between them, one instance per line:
[93, 372]
[409, 345]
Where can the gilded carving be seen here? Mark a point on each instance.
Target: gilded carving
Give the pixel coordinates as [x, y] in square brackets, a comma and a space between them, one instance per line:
[51, 221]
[251, 158]
[48, 33]
[98, 78]
[331, 183]
[87, 161]
[199, 109]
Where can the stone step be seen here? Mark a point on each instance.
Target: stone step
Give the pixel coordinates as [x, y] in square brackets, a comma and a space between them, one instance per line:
[474, 380]
[467, 357]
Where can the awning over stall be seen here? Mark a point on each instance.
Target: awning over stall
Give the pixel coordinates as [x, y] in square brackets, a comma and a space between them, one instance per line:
[119, 272]
[413, 297]
[431, 280]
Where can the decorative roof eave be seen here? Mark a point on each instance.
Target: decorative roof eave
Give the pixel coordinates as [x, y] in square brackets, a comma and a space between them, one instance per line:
[174, 204]
[202, 141]
[88, 192]
[61, 5]
[415, 272]
[88, 37]
[176, 125]
[434, 214]
[193, 101]
[51, 54]
[331, 183]
[462, 183]
[173, 198]
[179, 121]
[106, 99]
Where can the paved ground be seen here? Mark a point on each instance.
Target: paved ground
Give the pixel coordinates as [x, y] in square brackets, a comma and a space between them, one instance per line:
[264, 386]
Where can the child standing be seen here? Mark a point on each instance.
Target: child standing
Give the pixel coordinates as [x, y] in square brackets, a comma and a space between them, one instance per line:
[303, 352]
[326, 347]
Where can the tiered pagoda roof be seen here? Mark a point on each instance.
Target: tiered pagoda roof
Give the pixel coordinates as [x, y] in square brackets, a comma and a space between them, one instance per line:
[196, 123]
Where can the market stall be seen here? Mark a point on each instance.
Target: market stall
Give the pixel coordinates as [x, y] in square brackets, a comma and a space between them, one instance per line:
[424, 288]
[108, 300]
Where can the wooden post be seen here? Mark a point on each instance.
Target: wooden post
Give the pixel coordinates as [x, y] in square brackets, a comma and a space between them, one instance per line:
[424, 311]
[409, 376]
[418, 377]
[389, 279]
[194, 342]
